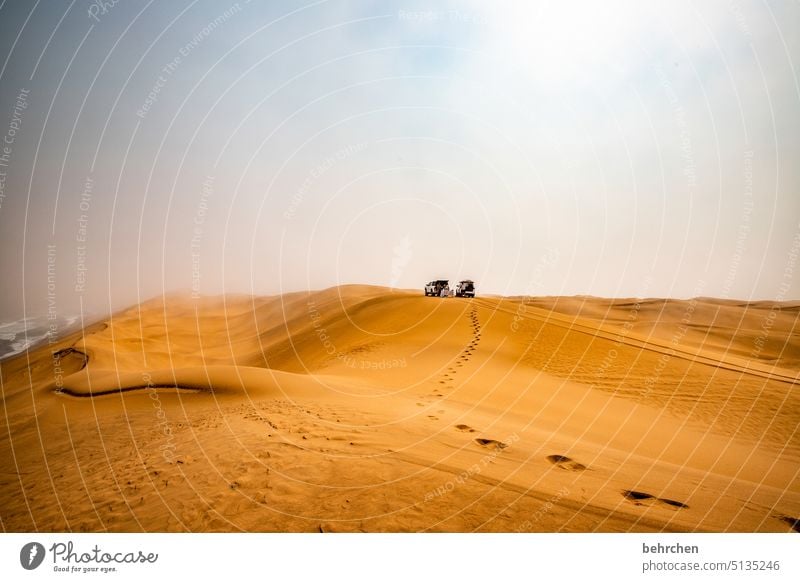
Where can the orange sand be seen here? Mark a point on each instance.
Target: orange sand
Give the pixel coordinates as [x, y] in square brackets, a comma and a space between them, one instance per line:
[364, 409]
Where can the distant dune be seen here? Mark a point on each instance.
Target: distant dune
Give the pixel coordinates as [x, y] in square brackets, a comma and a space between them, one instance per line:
[359, 408]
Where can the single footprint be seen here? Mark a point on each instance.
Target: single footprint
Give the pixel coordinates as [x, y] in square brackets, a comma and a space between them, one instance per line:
[491, 443]
[640, 498]
[636, 495]
[465, 428]
[566, 463]
[433, 417]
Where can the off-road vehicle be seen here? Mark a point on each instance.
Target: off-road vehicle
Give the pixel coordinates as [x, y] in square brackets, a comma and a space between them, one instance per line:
[465, 288]
[434, 288]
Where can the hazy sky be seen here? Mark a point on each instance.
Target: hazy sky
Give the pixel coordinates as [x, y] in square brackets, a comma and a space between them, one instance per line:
[603, 148]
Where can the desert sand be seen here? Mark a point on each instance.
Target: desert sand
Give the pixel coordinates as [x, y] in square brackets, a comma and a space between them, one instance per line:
[367, 409]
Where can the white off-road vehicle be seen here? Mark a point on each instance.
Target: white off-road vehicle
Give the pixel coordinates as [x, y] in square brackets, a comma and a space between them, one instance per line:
[465, 288]
[434, 288]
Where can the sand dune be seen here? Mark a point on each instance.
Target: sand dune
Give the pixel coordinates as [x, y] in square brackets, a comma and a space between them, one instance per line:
[364, 409]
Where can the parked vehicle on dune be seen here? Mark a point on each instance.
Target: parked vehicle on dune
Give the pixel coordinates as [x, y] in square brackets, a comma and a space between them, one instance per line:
[434, 288]
[465, 288]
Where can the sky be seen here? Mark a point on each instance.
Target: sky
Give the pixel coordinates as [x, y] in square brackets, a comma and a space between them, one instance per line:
[619, 149]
